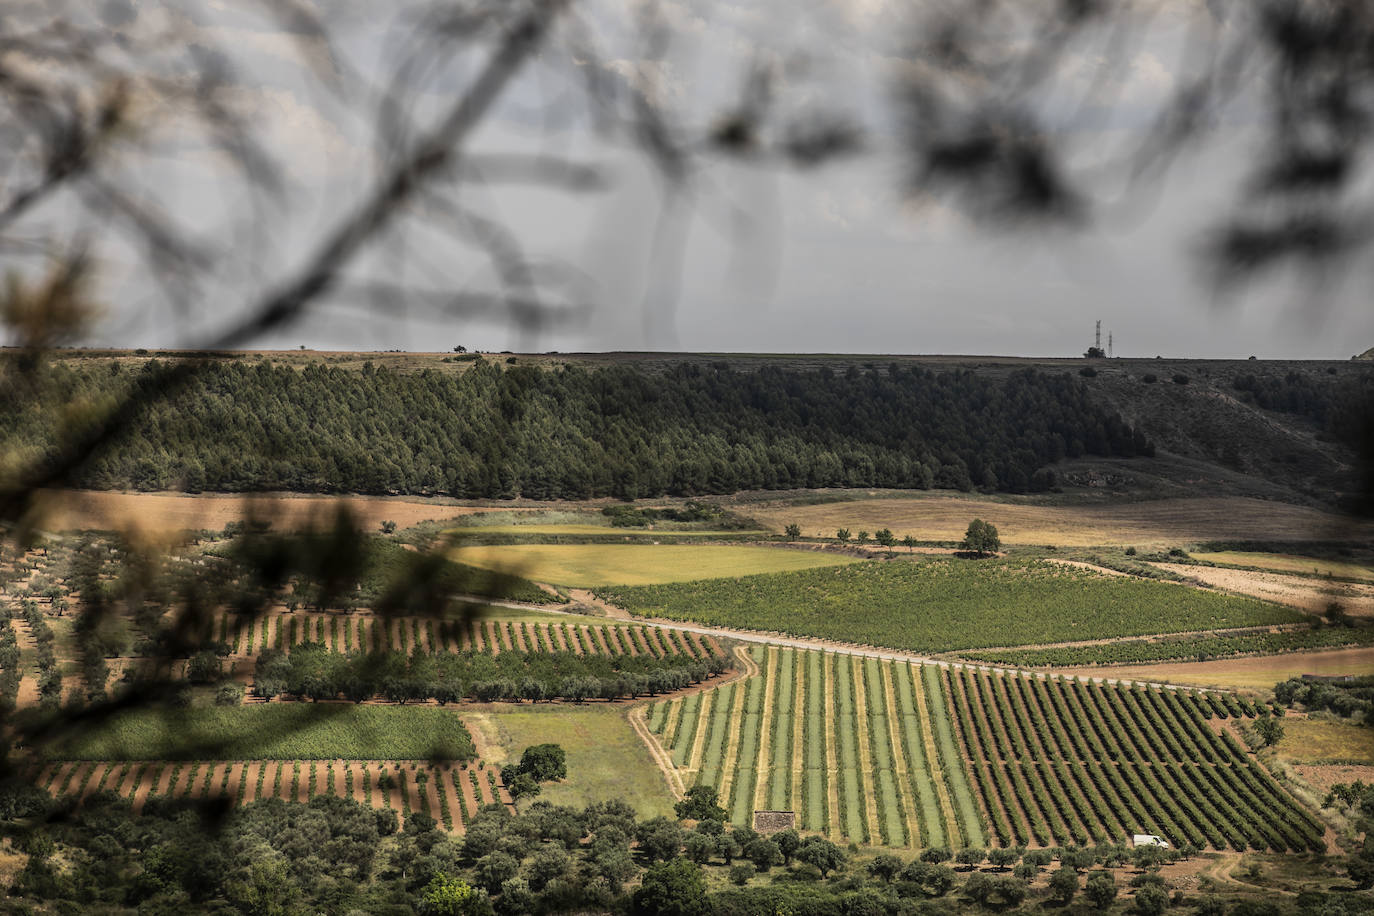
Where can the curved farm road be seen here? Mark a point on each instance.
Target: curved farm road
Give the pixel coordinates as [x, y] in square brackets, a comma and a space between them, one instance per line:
[808, 642]
[639, 714]
[637, 717]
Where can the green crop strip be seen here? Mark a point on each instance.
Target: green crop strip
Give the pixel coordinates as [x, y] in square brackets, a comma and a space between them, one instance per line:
[285, 731]
[947, 605]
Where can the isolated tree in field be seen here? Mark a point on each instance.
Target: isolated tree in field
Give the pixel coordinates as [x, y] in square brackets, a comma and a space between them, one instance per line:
[545, 762]
[1269, 729]
[909, 543]
[863, 537]
[981, 538]
[793, 531]
[842, 535]
[885, 537]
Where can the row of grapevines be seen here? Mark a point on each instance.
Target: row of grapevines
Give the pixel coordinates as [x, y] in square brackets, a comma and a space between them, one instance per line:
[1176, 648]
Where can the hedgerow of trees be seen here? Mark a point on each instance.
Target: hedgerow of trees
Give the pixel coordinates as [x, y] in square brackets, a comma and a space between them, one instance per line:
[313, 672]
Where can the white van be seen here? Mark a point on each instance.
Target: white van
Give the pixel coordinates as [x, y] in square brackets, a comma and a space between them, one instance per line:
[1149, 839]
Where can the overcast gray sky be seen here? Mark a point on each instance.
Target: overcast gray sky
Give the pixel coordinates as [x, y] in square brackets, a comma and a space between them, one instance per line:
[837, 259]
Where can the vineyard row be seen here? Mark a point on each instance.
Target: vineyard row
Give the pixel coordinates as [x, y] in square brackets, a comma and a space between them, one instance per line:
[369, 633]
[451, 795]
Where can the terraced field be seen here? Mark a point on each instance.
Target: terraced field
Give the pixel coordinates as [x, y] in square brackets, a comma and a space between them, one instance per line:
[365, 632]
[894, 754]
[451, 795]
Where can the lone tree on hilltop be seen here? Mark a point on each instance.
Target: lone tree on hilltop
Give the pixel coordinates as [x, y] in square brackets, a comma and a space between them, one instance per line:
[981, 538]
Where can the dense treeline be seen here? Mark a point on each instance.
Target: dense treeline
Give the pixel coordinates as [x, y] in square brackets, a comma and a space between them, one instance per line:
[1341, 407]
[1350, 698]
[312, 671]
[575, 433]
[336, 856]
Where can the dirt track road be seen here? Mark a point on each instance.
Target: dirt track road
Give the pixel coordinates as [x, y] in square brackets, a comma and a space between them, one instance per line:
[805, 642]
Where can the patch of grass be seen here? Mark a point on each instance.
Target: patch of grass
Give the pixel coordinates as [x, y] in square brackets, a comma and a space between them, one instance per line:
[390, 566]
[1289, 563]
[606, 759]
[276, 731]
[1324, 741]
[590, 565]
[943, 605]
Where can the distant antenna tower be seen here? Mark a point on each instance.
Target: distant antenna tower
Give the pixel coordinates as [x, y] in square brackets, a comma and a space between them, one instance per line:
[1097, 338]
[1109, 344]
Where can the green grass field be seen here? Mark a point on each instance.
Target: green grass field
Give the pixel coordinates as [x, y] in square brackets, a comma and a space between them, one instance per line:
[1288, 563]
[590, 565]
[606, 759]
[275, 731]
[945, 605]
[1325, 741]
